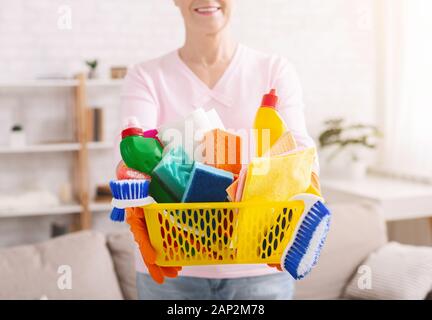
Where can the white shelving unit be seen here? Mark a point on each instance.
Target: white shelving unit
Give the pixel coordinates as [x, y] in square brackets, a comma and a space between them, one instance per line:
[100, 145]
[55, 210]
[38, 148]
[41, 211]
[55, 147]
[104, 83]
[15, 84]
[84, 207]
[60, 83]
[100, 207]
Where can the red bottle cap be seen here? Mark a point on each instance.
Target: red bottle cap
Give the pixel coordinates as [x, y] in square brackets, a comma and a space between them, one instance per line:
[132, 128]
[133, 131]
[270, 100]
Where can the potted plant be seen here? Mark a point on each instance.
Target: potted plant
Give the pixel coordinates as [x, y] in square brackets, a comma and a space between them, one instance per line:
[92, 64]
[17, 136]
[352, 141]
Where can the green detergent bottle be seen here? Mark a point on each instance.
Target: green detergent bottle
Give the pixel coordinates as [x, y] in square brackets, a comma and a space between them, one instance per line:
[139, 152]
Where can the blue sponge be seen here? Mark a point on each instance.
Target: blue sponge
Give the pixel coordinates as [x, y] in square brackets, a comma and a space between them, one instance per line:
[207, 184]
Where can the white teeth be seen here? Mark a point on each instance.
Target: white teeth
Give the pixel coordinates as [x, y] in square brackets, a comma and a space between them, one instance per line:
[207, 10]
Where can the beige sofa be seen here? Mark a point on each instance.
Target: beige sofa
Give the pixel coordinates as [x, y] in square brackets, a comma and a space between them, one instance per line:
[90, 265]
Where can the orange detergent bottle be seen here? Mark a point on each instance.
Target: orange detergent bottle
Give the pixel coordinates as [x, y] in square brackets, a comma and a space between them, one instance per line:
[268, 124]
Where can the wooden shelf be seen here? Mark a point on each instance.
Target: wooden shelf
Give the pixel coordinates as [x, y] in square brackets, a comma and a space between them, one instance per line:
[43, 211]
[100, 206]
[48, 147]
[61, 83]
[58, 210]
[56, 147]
[80, 149]
[100, 145]
[105, 83]
[16, 84]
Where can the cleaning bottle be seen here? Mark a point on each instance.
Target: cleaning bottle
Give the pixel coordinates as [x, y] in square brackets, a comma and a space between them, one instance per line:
[268, 124]
[139, 152]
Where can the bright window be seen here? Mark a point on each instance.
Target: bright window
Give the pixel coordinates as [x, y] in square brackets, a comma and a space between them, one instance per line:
[407, 113]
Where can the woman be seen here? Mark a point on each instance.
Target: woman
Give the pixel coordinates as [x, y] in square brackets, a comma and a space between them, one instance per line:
[211, 70]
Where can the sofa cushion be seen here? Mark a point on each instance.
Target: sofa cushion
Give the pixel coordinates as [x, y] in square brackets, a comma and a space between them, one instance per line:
[396, 272]
[355, 231]
[121, 246]
[75, 266]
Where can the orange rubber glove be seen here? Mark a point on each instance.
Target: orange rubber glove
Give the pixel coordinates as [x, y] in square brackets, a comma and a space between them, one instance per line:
[316, 184]
[135, 218]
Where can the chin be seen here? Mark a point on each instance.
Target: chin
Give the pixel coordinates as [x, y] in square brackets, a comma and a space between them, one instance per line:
[211, 27]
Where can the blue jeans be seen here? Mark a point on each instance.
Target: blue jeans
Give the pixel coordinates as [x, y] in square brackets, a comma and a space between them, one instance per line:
[278, 286]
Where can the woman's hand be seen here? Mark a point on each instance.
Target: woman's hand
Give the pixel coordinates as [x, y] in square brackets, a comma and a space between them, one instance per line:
[135, 218]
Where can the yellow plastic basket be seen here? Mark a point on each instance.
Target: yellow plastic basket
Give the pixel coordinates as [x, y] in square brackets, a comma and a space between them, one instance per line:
[190, 234]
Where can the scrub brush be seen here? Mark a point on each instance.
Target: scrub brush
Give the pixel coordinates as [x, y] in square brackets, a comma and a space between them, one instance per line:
[128, 194]
[302, 253]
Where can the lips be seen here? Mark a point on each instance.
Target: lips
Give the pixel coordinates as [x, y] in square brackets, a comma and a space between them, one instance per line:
[207, 10]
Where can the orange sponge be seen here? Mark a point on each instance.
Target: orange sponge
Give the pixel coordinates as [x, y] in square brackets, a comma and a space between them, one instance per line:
[232, 191]
[223, 150]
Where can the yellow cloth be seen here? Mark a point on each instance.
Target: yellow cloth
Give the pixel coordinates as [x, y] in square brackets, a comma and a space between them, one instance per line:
[313, 190]
[286, 143]
[279, 178]
[315, 187]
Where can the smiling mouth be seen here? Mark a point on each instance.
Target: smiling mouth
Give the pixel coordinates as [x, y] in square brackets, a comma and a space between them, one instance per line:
[207, 11]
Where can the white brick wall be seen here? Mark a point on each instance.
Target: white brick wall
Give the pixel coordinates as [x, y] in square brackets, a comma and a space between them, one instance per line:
[116, 32]
[332, 44]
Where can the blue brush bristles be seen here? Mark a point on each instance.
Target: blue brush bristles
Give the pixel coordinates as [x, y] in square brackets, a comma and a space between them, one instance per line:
[304, 252]
[127, 190]
[117, 215]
